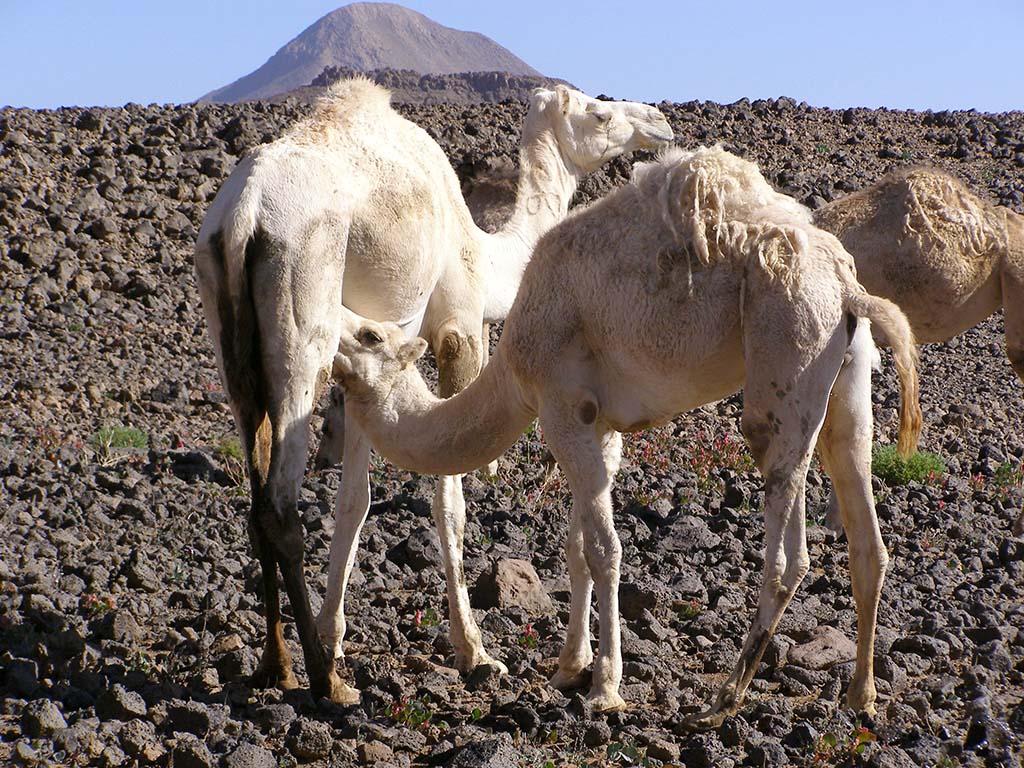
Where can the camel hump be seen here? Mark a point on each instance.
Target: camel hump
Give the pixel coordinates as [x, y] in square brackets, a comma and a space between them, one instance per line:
[344, 102]
[941, 213]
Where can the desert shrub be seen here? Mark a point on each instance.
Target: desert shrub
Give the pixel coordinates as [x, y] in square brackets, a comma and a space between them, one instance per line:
[923, 466]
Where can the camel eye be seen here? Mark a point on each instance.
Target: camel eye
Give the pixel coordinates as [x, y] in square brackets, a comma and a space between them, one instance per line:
[369, 338]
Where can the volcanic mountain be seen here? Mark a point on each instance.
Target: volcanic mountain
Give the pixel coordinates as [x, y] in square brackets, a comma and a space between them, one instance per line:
[371, 36]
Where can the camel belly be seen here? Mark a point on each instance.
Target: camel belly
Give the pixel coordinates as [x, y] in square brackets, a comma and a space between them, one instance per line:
[639, 396]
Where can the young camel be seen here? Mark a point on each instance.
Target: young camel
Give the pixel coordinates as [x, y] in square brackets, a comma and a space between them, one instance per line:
[921, 239]
[693, 281]
[359, 209]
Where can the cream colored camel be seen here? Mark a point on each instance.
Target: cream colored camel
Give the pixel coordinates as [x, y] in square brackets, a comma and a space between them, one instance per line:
[359, 209]
[948, 259]
[693, 281]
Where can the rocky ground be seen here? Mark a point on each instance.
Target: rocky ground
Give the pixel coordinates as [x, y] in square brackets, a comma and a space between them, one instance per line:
[127, 606]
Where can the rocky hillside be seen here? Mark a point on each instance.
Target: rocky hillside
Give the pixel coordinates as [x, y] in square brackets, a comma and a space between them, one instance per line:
[408, 87]
[368, 36]
[129, 616]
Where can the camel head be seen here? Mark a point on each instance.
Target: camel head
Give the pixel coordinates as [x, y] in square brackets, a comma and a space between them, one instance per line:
[371, 359]
[591, 132]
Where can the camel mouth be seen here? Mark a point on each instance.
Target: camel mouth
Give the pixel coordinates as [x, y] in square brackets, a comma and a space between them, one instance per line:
[657, 135]
[342, 368]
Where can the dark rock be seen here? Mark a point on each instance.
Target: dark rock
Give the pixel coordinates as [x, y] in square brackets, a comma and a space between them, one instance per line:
[248, 755]
[497, 752]
[118, 703]
[310, 739]
[597, 733]
[41, 718]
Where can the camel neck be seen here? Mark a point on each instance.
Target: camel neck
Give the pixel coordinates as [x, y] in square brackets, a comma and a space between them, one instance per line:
[420, 432]
[547, 182]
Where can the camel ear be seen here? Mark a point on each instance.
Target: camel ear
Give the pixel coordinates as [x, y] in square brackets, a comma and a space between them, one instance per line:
[411, 351]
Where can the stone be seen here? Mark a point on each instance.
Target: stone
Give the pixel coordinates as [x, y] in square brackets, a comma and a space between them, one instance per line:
[248, 755]
[118, 703]
[509, 583]
[497, 752]
[827, 646]
[310, 739]
[374, 752]
[597, 733]
[41, 718]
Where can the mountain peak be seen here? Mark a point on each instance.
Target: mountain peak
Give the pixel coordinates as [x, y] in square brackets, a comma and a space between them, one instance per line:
[368, 36]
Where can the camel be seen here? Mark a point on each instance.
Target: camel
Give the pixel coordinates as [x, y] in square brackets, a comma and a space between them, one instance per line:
[694, 280]
[358, 210]
[921, 239]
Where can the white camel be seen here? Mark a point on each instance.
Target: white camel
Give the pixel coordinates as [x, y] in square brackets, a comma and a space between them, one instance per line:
[694, 280]
[357, 209]
[949, 259]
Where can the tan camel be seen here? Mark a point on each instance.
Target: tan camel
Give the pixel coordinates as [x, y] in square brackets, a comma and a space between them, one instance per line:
[358, 209]
[694, 280]
[948, 259]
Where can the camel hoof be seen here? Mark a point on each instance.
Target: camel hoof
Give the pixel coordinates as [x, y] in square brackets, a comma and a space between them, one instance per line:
[344, 694]
[706, 721]
[480, 659]
[605, 702]
[280, 677]
[335, 689]
[567, 679]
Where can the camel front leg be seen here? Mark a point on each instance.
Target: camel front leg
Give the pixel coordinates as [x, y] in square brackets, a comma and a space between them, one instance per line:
[449, 511]
[845, 449]
[458, 363]
[577, 654]
[351, 507]
[589, 460]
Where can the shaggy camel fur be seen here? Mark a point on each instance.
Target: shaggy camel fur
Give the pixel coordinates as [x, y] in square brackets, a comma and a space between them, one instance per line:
[948, 259]
[693, 281]
[358, 209]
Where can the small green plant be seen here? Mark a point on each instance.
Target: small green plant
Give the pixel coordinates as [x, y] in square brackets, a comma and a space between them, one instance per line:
[624, 753]
[93, 605]
[476, 714]
[691, 609]
[230, 451]
[413, 713]
[821, 148]
[140, 661]
[117, 441]
[178, 575]
[1008, 477]
[529, 637]
[832, 749]
[922, 467]
[426, 618]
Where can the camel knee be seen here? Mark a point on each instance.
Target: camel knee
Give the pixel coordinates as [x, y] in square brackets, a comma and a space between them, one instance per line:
[458, 361]
[758, 433]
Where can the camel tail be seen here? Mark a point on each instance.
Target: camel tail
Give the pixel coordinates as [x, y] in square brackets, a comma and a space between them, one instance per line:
[223, 270]
[893, 328]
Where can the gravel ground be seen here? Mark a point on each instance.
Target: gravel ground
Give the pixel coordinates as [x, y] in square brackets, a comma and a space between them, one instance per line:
[128, 609]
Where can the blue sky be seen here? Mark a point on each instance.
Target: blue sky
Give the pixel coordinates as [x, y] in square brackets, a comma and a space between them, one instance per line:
[904, 54]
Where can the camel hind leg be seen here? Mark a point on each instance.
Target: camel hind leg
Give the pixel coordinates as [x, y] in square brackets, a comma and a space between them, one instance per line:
[781, 427]
[1013, 316]
[1013, 322]
[845, 448]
